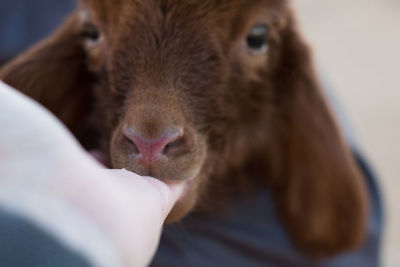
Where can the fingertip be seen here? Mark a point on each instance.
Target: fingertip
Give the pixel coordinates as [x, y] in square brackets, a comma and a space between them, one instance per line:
[177, 190]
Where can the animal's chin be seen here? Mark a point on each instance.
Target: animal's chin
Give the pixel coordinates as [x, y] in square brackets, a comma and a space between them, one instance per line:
[187, 202]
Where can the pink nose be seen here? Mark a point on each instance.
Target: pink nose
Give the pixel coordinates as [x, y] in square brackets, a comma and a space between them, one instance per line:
[149, 150]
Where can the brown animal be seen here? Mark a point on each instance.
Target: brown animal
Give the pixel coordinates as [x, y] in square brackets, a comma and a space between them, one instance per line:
[219, 94]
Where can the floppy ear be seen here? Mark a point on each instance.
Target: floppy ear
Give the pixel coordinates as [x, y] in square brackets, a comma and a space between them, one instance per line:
[53, 73]
[320, 192]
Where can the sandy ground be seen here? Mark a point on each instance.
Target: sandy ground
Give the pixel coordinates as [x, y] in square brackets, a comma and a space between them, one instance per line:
[357, 43]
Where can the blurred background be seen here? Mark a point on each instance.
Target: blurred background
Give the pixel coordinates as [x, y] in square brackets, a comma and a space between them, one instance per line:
[357, 45]
[357, 48]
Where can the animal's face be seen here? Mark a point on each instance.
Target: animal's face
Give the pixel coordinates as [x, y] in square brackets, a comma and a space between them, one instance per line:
[173, 75]
[219, 94]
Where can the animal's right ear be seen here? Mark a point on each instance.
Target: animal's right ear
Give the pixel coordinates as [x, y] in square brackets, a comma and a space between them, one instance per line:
[53, 72]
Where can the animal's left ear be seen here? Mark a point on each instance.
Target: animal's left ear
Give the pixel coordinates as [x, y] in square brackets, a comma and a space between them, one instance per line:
[320, 191]
[53, 72]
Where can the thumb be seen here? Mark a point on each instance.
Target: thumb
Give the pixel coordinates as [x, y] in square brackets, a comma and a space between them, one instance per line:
[169, 193]
[165, 194]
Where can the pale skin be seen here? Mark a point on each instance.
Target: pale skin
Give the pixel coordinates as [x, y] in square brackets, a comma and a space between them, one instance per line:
[37, 149]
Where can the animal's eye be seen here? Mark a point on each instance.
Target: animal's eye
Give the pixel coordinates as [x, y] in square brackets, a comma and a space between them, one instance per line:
[90, 32]
[257, 39]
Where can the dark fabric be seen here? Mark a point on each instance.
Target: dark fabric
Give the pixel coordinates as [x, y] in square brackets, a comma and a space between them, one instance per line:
[24, 22]
[250, 234]
[22, 244]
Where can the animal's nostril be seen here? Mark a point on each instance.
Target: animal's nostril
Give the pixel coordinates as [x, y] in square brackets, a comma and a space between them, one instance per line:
[151, 148]
[174, 145]
[132, 145]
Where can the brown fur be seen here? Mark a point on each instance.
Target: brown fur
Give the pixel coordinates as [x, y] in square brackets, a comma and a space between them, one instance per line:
[247, 120]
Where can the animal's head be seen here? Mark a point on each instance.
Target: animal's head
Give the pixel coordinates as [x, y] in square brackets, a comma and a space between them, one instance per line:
[192, 91]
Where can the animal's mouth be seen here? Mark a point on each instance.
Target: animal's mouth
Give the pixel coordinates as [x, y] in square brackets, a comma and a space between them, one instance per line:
[189, 183]
[183, 167]
[169, 150]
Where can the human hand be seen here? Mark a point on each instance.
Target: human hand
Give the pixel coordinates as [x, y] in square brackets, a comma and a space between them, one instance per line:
[38, 156]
